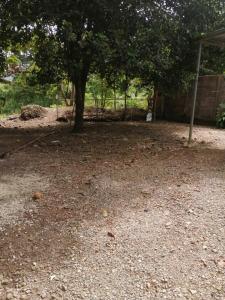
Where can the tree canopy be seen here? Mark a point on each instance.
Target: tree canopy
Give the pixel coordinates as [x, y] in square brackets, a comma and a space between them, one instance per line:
[151, 40]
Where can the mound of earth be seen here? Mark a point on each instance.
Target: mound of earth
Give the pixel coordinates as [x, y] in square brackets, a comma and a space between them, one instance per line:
[132, 114]
[32, 111]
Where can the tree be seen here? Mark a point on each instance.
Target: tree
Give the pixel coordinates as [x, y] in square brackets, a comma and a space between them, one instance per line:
[2, 61]
[188, 20]
[152, 40]
[69, 36]
[166, 41]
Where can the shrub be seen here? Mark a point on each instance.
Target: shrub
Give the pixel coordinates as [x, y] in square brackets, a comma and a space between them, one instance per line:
[17, 94]
[221, 116]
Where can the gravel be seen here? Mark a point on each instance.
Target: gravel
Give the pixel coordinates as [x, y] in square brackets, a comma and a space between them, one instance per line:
[122, 226]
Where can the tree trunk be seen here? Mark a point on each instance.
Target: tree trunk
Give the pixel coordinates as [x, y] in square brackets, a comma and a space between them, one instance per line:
[73, 93]
[64, 95]
[125, 98]
[79, 104]
[80, 81]
[114, 93]
[125, 106]
[80, 87]
[156, 96]
[102, 95]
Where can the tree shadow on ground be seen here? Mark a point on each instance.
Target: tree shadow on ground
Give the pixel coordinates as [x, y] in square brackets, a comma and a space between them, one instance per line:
[106, 166]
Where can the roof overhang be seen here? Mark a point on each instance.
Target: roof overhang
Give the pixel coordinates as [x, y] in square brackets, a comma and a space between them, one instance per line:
[216, 38]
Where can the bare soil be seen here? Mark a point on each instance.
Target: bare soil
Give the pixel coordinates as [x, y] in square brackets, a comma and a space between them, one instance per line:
[128, 211]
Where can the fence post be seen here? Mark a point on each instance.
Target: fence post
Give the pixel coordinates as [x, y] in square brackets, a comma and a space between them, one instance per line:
[195, 93]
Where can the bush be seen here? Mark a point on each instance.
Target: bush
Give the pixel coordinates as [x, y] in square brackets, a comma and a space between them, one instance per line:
[17, 94]
[221, 116]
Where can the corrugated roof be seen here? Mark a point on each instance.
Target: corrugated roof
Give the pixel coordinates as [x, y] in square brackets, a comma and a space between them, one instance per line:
[216, 38]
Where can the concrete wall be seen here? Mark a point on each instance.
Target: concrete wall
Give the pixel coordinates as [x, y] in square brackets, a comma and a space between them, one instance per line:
[211, 92]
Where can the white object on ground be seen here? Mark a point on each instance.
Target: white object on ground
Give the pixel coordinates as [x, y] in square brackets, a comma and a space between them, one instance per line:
[149, 117]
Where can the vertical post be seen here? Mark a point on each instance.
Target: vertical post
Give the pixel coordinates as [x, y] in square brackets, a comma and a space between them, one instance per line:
[73, 96]
[195, 93]
[57, 103]
[156, 97]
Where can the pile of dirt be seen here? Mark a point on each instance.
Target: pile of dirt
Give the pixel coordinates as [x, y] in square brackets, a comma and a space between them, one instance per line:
[132, 114]
[106, 115]
[135, 114]
[32, 112]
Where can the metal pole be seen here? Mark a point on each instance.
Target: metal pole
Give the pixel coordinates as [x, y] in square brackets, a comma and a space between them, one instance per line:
[195, 93]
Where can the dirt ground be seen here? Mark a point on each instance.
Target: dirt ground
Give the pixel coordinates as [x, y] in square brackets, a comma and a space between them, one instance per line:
[127, 211]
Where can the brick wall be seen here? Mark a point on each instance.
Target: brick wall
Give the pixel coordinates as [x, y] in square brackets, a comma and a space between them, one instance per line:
[211, 92]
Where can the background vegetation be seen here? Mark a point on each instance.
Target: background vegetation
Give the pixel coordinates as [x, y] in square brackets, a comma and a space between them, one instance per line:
[99, 95]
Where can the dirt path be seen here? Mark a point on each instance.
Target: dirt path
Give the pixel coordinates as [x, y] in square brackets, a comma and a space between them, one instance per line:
[127, 212]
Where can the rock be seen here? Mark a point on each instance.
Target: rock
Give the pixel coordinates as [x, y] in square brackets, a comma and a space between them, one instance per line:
[34, 266]
[104, 213]
[54, 297]
[37, 196]
[168, 225]
[12, 118]
[9, 296]
[88, 181]
[164, 280]
[63, 288]
[221, 263]
[110, 234]
[204, 262]
[148, 286]
[3, 155]
[53, 277]
[32, 111]
[23, 297]
[187, 225]
[186, 145]
[43, 295]
[193, 292]
[57, 142]
[62, 120]
[146, 192]
[5, 282]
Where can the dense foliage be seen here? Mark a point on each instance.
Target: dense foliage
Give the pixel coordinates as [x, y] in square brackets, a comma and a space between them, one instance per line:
[20, 93]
